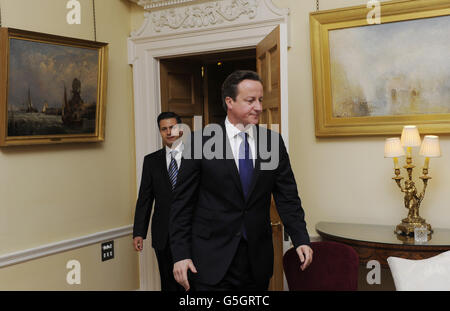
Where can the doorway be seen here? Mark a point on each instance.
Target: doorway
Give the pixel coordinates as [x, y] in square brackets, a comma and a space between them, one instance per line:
[191, 85]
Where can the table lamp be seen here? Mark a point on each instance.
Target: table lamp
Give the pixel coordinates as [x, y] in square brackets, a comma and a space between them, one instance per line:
[429, 148]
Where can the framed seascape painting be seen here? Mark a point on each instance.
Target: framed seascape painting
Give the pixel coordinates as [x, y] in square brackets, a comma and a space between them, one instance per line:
[372, 79]
[52, 88]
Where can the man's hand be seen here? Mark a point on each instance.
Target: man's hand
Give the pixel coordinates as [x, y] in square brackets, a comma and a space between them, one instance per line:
[305, 253]
[180, 269]
[138, 243]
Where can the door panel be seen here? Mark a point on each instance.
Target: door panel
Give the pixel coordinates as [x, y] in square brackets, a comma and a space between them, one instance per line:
[181, 89]
[268, 66]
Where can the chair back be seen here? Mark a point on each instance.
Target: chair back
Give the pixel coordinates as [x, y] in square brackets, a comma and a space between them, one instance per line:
[334, 268]
[430, 274]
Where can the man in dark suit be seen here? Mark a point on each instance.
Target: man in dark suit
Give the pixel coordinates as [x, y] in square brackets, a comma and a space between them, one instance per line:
[220, 217]
[159, 176]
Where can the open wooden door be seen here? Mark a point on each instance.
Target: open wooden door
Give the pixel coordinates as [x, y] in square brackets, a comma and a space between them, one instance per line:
[181, 89]
[268, 67]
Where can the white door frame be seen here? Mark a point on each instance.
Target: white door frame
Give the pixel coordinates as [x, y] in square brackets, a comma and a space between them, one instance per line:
[163, 35]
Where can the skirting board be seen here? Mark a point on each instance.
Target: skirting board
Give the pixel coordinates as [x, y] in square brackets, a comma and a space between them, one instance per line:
[63, 246]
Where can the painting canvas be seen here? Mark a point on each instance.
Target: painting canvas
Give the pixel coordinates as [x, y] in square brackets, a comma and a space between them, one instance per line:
[54, 90]
[372, 79]
[391, 69]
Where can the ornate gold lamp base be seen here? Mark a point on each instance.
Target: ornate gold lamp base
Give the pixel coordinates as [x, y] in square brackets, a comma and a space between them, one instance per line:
[407, 226]
[406, 239]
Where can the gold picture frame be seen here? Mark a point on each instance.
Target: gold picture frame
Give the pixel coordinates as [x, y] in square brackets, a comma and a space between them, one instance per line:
[52, 88]
[345, 103]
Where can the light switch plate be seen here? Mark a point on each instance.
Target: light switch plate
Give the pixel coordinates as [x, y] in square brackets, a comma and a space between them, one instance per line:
[107, 250]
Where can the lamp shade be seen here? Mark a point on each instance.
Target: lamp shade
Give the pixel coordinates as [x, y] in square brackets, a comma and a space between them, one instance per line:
[410, 136]
[393, 148]
[430, 147]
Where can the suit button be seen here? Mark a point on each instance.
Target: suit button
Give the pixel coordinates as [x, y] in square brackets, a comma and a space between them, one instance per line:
[238, 234]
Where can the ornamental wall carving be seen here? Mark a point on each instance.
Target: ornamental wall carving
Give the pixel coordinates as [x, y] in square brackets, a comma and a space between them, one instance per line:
[170, 17]
[204, 14]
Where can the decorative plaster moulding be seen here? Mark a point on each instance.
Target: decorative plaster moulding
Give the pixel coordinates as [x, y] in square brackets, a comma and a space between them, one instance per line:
[203, 15]
[171, 17]
[149, 5]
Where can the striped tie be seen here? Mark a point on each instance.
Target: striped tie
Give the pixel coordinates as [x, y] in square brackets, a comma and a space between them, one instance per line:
[173, 169]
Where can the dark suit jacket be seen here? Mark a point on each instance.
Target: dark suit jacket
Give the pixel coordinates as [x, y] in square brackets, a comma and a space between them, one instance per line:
[209, 210]
[155, 186]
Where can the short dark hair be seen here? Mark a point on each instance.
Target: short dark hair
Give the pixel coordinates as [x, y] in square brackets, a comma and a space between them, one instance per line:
[168, 115]
[229, 86]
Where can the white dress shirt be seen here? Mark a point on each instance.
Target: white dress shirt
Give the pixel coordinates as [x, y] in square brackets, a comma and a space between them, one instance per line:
[236, 140]
[179, 151]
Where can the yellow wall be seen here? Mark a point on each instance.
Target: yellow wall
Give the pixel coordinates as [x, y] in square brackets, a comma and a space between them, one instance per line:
[50, 273]
[137, 17]
[347, 179]
[57, 192]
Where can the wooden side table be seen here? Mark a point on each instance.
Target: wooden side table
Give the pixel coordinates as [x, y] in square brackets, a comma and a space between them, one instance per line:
[379, 241]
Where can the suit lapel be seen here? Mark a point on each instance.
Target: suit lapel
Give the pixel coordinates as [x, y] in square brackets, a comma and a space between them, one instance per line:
[163, 167]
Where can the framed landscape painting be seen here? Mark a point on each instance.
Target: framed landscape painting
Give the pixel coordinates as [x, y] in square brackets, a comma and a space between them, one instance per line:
[372, 79]
[52, 88]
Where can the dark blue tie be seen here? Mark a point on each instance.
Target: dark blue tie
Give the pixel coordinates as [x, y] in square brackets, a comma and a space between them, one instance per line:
[245, 168]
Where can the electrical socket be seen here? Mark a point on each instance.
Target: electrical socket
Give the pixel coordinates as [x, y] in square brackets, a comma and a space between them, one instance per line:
[107, 250]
